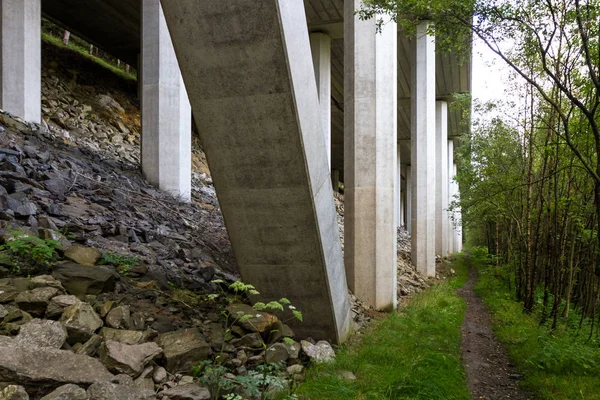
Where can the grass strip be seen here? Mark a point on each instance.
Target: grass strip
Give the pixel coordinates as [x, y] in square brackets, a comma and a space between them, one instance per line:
[411, 354]
[557, 365]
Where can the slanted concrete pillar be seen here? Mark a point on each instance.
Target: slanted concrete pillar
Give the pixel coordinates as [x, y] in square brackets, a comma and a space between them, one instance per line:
[320, 45]
[423, 151]
[409, 191]
[252, 87]
[450, 188]
[370, 140]
[21, 58]
[166, 112]
[441, 181]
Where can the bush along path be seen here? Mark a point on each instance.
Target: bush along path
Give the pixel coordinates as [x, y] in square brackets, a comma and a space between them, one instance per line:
[410, 354]
[490, 375]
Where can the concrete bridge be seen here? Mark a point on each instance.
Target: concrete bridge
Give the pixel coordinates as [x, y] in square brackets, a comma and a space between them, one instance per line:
[290, 97]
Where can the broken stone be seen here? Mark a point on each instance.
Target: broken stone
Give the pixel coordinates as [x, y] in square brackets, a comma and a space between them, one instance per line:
[276, 353]
[67, 392]
[128, 359]
[58, 304]
[112, 391]
[81, 322]
[119, 317]
[183, 349]
[36, 301]
[159, 375]
[42, 333]
[45, 281]
[83, 255]
[259, 321]
[187, 392]
[14, 392]
[90, 348]
[319, 352]
[80, 280]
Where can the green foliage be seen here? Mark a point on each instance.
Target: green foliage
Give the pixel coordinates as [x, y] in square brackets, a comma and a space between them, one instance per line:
[123, 262]
[556, 364]
[412, 354]
[29, 254]
[212, 376]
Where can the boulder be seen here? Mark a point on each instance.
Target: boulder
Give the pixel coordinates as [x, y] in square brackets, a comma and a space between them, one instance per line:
[83, 255]
[67, 392]
[90, 348]
[3, 312]
[35, 301]
[119, 317]
[320, 352]
[259, 322]
[80, 280]
[81, 322]
[13, 320]
[186, 392]
[127, 358]
[7, 293]
[159, 375]
[43, 368]
[41, 281]
[42, 333]
[112, 391]
[124, 336]
[58, 304]
[276, 353]
[183, 349]
[13, 392]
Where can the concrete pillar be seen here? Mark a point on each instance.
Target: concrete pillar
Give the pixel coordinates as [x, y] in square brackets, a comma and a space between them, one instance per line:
[166, 112]
[402, 201]
[370, 140]
[21, 58]
[409, 191]
[320, 45]
[450, 188]
[457, 216]
[441, 181]
[423, 151]
[252, 87]
[398, 192]
[335, 180]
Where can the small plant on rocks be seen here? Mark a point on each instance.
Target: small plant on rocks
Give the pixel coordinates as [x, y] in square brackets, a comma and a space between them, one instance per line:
[122, 262]
[29, 254]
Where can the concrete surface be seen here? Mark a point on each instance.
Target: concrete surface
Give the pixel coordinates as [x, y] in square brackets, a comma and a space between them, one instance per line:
[441, 178]
[320, 45]
[165, 109]
[252, 87]
[370, 143]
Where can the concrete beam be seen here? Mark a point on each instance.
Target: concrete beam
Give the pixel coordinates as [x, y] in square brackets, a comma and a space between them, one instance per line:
[423, 151]
[441, 181]
[253, 92]
[370, 134]
[166, 112]
[320, 45]
[21, 58]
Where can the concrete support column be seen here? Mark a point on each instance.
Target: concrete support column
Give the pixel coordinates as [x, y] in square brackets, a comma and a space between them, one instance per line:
[423, 151]
[21, 58]
[320, 45]
[450, 188]
[166, 111]
[398, 192]
[370, 140]
[441, 181]
[457, 216]
[409, 191]
[402, 192]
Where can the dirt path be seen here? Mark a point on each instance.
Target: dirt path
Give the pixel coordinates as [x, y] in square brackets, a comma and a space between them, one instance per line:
[490, 375]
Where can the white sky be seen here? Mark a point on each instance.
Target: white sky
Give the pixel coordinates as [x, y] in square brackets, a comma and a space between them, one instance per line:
[490, 74]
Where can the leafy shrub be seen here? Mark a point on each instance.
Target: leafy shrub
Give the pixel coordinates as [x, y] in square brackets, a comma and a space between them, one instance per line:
[29, 254]
[122, 262]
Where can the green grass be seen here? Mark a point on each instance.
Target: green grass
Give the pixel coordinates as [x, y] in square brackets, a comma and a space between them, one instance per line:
[46, 37]
[556, 365]
[412, 354]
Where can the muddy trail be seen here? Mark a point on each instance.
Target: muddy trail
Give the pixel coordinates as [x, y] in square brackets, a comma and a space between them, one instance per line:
[490, 374]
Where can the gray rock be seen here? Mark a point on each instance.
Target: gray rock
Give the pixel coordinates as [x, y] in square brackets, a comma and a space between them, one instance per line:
[67, 392]
[14, 392]
[80, 280]
[3, 312]
[259, 322]
[159, 375]
[58, 304]
[83, 255]
[7, 293]
[42, 368]
[119, 317]
[42, 333]
[111, 391]
[90, 348]
[320, 352]
[183, 349]
[25, 210]
[45, 281]
[187, 392]
[128, 359]
[35, 301]
[276, 353]
[81, 322]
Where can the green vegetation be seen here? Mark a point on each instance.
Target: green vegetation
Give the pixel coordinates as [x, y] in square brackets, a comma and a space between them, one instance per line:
[53, 40]
[28, 254]
[557, 364]
[122, 262]
[412, 354]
